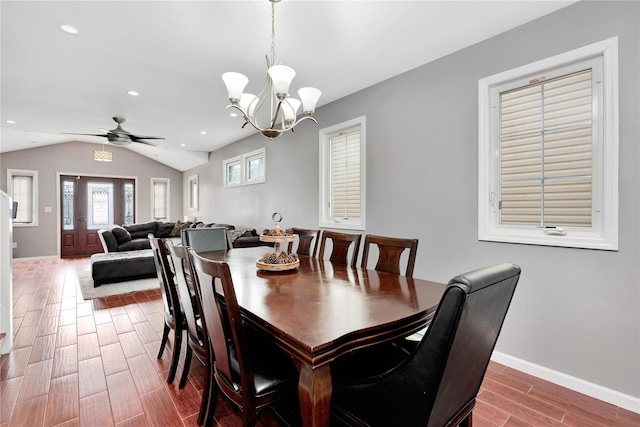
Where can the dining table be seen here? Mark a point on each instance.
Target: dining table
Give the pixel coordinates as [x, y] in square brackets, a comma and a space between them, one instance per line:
[323, 310]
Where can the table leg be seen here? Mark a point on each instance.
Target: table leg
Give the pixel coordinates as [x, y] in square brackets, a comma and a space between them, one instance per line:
[314, 391]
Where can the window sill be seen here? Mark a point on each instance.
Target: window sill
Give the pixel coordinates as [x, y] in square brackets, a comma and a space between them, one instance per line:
[573, 239]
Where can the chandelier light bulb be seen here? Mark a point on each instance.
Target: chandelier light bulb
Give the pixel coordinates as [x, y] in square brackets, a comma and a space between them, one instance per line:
[281, 76]
[248, 104]
[290, 110]
[235, 83]
[309, 97]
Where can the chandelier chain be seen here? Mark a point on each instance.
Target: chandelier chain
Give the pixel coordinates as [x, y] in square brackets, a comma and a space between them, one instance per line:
[273, 32]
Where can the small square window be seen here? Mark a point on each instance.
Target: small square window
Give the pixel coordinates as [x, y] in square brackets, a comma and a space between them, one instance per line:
[254, 166]
[232, 172]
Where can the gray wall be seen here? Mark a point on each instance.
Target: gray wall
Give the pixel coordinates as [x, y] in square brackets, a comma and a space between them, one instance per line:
[76, 158]
[575, 311]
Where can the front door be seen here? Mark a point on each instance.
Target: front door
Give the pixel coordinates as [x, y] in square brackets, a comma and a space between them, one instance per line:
[91, 203]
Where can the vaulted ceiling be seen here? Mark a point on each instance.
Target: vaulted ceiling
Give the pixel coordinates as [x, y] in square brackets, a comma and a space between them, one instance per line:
[173, 53]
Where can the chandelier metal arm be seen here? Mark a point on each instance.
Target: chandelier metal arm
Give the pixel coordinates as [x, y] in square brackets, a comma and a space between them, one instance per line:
[270, 132]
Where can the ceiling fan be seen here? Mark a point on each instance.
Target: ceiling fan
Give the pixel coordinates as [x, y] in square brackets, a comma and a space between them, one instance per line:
[119, 136]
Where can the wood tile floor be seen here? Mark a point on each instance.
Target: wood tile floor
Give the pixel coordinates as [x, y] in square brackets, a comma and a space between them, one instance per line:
[93, 363]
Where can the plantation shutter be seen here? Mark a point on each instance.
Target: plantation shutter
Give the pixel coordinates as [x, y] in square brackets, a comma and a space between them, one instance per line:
[23, 194]
[345, 175]
[546, 135]
[160, 200]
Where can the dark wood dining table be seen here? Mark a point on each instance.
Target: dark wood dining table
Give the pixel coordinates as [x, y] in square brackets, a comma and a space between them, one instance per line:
[323, 310]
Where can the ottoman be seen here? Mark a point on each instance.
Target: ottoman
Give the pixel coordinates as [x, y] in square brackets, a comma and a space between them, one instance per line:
[114, 267]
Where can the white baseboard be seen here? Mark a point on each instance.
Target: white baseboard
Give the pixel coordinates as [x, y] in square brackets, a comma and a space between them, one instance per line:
[581, 386]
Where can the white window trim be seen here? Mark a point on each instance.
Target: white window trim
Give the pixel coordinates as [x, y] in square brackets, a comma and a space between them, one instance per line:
[245, 167]
[166, 181]
[325, 197]
[225, 171]
[193, 199]
[34, 176]
[243, 161]
[606, 238]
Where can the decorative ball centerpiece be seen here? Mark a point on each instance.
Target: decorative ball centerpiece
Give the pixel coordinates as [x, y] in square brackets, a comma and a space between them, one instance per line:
[278, 260]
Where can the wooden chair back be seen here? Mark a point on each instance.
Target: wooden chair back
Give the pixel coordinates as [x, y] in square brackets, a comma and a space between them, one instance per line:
[390, 250]
[305, 239]
[190, 299]
[235, 369]
[168, 287]
[174, 318]
[341, 243]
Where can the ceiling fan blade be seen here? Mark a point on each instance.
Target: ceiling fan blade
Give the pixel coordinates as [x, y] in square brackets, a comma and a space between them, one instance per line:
[135, 137]
[86, 134]
[142, 141]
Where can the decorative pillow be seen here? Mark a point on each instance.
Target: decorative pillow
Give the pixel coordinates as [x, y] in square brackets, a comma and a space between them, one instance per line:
[141, 230]
[234, 234]
[108, 240]
[121, 235]
[164, 229]
[179, 227]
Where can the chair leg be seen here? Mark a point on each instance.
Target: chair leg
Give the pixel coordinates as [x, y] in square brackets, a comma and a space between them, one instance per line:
[249, 417]
[187, 365]
[206, 397]
[467, 422]
[165, 337]
[176, 355]
[211, 405]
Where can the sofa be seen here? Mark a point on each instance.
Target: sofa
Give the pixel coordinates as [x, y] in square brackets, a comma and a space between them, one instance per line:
[134, 237]
[127, 249]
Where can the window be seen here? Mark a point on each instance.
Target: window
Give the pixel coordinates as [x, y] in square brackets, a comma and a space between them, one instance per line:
[23, 188]
[250, 168]
[232, 172]
[193, 192]
[548, 151]
[160, 199]
[342, 175]
[254, 166]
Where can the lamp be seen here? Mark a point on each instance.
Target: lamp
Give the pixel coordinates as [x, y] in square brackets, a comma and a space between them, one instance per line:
[284, 109]
[102, 155]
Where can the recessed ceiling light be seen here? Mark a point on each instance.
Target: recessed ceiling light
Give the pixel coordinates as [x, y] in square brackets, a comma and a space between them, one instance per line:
[202, 132]
[68, 29]
[12, 122]
[183, 145]
[133, 93]
[233, 114]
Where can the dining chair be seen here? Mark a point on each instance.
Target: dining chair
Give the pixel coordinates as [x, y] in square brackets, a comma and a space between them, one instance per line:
[248, 368]
[305, 239]
[341, 243]
[390, 250]
[437, 384]
[196, 334]
[174, 318]
[205, 239]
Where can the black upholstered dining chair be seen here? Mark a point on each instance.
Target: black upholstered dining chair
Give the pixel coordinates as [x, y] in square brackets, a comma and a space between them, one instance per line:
[174, 318]
[436, 385]
[340, 250]
[305, 240]
[390, 250]
[196, 335]
[248, 368]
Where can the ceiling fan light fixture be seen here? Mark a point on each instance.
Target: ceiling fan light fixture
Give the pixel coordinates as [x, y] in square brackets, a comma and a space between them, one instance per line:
[274, 93]
[102, 155]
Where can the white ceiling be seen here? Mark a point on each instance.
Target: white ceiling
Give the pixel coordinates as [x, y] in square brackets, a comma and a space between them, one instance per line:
[174, 52]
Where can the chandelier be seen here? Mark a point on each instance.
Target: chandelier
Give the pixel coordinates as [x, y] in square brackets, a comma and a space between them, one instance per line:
[274, 93]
